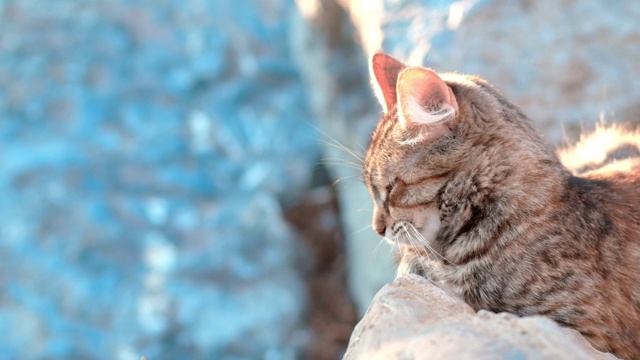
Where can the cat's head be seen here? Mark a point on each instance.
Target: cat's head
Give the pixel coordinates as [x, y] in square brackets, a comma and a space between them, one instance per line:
[435, 127]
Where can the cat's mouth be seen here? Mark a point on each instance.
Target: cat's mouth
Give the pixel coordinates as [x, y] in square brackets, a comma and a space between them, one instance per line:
[402, 233]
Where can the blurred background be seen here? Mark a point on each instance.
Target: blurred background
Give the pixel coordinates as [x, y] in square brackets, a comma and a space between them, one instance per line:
[178, 179]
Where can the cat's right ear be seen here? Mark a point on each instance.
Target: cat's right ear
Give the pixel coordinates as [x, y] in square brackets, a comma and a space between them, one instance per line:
[424, 98]
[384, 76]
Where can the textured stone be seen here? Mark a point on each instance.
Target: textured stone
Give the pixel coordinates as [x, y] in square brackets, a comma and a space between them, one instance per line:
[413, 318]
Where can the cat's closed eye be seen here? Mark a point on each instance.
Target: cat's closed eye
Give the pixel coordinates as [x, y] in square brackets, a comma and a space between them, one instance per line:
[390, 187]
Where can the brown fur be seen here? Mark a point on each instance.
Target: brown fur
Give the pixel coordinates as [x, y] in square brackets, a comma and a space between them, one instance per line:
[506, 224]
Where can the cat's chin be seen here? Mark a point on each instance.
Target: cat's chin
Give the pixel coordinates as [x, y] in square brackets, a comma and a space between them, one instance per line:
[404, 242]
[390, 241]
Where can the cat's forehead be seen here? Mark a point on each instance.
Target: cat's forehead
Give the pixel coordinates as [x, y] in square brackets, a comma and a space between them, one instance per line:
[384, 128]
[382, 171]
[378, 163]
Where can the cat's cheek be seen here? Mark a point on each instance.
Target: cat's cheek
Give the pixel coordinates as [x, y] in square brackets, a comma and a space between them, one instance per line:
[429, 224]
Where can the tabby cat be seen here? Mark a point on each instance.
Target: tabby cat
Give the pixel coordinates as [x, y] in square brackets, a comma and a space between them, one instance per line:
[472, 197]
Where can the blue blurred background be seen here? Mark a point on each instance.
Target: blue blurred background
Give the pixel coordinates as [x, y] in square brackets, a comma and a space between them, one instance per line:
[147, 147]
[167, 167]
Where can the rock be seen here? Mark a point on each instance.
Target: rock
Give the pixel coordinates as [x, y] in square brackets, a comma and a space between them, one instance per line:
[413, 318]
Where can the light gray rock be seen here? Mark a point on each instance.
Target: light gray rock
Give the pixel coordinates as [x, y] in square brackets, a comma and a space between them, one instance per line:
[414, 319]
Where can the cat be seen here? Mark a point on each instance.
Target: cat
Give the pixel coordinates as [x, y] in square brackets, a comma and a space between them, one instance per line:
[472, 197]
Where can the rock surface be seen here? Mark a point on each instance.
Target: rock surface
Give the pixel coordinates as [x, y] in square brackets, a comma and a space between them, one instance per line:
[414, 319]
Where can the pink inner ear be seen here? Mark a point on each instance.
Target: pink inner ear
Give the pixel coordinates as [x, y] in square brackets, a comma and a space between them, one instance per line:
[385, 70]
[425, 87]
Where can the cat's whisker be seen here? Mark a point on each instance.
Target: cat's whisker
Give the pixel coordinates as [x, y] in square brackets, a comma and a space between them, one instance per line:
[402, 235]
[358, 162]
[342, 178]
[414, 242]
[336, 144]
[377, 248]
[340, 146]
[341, 163]
[342, 166]
[340, 160]
[361, 230]
[418, 240]
[425, 245]
[424, 242]
[348, 151]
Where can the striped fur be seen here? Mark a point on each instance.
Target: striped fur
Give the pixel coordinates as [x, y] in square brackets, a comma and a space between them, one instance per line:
[487, 208]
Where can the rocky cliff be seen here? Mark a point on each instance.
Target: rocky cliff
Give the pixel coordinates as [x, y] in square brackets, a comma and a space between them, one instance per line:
[413, 318]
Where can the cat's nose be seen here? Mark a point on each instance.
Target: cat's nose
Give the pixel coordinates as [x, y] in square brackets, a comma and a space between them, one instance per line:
[380, 230]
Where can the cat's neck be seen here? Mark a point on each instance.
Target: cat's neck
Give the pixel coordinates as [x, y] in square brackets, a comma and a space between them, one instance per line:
[478, 204]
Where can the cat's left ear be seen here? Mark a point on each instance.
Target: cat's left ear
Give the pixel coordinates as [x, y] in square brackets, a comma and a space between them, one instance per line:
[384, 76]
[423, 98]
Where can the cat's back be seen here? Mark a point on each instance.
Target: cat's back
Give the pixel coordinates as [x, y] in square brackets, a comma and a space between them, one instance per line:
[608, 152]
[601, 205]
[606, 165]
[608, 160]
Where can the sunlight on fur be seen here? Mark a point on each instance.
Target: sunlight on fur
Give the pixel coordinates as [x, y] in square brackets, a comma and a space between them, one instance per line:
[594, 148]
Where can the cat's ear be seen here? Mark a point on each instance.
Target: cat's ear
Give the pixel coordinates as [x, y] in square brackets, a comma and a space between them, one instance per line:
[423, 98]
[384, 76]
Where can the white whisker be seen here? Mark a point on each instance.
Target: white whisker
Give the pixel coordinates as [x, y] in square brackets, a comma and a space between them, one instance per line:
[428, 263]
[361, 230]
[341, 147]
[342, 178]
[413, 241]
[359, 162]
[424, 242]
[375, 249]
[339, 161]
[335, 143]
